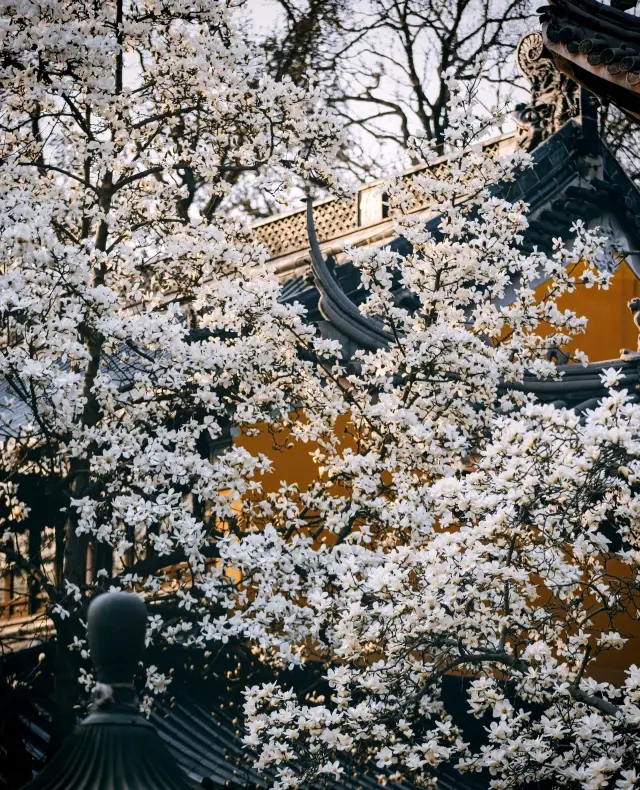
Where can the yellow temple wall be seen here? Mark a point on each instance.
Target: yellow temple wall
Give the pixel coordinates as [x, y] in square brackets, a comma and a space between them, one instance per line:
[610, 328]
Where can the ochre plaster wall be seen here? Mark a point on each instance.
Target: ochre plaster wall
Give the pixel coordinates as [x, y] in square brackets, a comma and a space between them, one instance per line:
[610, 328]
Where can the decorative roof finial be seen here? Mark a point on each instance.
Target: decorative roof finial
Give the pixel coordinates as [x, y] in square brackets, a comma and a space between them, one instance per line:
[114, 746]
[116, 627]
[554, 97]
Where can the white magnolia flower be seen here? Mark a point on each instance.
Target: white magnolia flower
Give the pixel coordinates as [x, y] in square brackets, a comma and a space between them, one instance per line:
[435, 520]
[611, 377]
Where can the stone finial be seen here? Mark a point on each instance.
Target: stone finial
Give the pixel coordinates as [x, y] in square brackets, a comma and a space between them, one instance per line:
[116, 627]
[114, 747]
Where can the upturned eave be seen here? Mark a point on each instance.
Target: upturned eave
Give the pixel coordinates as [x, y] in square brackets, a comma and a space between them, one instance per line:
[596, 46]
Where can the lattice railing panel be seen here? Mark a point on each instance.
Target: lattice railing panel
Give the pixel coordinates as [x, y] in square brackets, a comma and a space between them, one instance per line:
[289, 233]
[420, 199]
[335, 218]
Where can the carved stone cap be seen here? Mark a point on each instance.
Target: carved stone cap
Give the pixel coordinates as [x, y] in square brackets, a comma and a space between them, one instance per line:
[116, 626]
[114, 747]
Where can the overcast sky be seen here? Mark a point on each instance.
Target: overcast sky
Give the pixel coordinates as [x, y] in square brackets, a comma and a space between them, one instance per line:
[264, 13]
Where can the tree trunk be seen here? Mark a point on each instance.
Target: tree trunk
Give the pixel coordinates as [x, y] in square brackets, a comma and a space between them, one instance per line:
[65, 687]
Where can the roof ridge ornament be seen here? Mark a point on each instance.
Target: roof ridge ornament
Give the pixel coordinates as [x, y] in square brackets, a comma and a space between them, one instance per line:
[554, 97]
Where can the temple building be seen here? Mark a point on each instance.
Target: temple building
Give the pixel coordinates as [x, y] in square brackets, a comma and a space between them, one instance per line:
[575, 176]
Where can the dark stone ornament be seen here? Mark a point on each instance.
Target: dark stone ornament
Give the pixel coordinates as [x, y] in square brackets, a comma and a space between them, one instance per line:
[554, 97]
[114, 748]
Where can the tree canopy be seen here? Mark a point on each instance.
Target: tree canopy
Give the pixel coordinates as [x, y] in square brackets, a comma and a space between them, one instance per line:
[454, 524]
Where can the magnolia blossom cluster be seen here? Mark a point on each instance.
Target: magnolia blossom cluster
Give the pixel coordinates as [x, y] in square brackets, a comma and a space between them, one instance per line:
[458, 527]
[517, 595]
[139, 323]
[453, 525]
[137, 318]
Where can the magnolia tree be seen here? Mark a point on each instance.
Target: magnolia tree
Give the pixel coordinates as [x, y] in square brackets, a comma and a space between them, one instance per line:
[459, 525]
[137, 322]
[454, 525]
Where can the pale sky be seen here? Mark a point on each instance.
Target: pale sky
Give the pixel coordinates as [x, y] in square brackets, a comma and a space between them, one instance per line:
[263, 16]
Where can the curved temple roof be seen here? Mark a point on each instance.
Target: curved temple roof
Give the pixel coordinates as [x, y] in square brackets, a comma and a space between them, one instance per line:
[336, 306]
[597, 46]
[556, 182]
[573, 177]
[202, 726]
